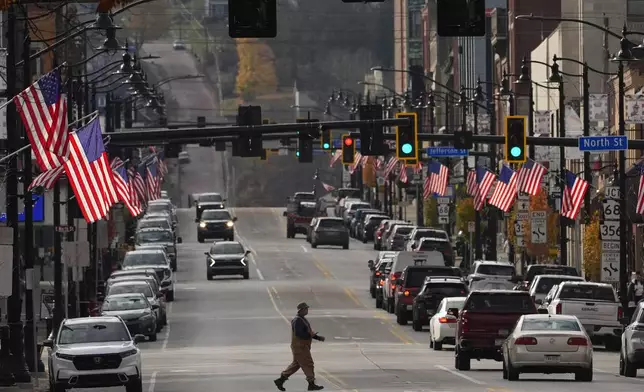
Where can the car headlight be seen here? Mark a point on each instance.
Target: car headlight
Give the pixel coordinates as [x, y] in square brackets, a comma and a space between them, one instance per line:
[66, 357]
[202, 224]
[230, 223]
[128, 353]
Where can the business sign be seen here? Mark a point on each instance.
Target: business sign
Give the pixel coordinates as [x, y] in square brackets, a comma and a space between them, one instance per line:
[38, 209]
[603, 143]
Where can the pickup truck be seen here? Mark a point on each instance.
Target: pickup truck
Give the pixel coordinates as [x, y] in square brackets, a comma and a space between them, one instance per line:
[597, 308]
[486, 320]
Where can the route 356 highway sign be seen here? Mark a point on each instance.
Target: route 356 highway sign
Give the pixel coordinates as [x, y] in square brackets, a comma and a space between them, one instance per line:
[609, 231]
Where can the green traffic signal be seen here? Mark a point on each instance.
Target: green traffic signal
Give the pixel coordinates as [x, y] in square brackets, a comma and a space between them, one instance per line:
[406, 148]
[515, 152]
[297, 153]
[326, 146]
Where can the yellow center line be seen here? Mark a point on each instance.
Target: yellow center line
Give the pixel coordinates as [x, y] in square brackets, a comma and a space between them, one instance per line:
[336, 381]
[353, 297]
[323, 269]
[394, 331]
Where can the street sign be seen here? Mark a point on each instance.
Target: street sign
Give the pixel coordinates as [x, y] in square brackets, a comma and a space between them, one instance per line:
[442, 200]
[443, 210]
[443, 220]
[539, 227]
[610, 246]
[609, 231]
[611, 192]
[520, 241]
[523, 203]
[524, 215]
[611, 210]
[519, 228]
[447, 152]
[610, 267]
[603, 143]
[65, 229]
[471, 227]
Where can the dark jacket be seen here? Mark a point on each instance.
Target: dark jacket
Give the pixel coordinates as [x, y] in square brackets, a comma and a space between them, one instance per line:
[302, 329]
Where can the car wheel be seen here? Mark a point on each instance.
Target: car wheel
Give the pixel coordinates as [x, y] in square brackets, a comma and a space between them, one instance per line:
[169, 296]
[626, 367]
[165, 319]
[153, 337]
[159, 327]
[57, 387]
[390, 305]
[378, 302]
[372, 291]
[513, 373]
[200, 239]
[314, 245]
[438, 346]
[461, 360]
[584, 375]
[401, 317]
[134, 386]
[364, 240]
[416, 325]
[210, 277]
[246, 275]
[505, 370]
[345, 246]
[290, 232]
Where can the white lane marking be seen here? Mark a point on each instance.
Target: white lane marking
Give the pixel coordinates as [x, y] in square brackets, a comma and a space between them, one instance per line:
[259, 274]
[153, 381]
[277, 309]
[182, 371]
[189, 288]
[461, 375]
[246, 245]
[167, 328]
[304, 249]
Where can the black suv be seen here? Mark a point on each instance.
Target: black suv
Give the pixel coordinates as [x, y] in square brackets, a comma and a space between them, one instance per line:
[430, 296]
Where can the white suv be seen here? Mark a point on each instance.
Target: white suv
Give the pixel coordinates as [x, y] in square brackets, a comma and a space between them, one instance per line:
[94, 352]
[157, 260]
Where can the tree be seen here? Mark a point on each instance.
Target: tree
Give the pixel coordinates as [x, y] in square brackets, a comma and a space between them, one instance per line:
[592, 249]
[149, 21]
[539, 202]
[464, 214]
[430, 212]
[256, 71]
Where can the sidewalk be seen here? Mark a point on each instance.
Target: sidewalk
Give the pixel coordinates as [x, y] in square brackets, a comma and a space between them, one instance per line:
[43, 385]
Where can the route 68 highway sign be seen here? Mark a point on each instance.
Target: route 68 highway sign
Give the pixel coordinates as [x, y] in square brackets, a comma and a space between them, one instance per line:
[443, 209]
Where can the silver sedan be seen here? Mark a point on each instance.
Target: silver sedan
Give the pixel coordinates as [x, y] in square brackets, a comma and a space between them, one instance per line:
[542, 343]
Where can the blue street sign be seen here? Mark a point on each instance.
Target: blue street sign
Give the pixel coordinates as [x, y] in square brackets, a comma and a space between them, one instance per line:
[603, 143]
[39, 211]
[447, 152]
[337, 143]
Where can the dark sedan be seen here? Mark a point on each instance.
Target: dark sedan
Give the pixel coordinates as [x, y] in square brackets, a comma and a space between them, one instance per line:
[330, 231]
[133, 307]
[216, 224]
[227, 258]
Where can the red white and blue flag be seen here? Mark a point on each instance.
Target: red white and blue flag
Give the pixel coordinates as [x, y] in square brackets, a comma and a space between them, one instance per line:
[427, 188]
[47, 179]
[471, 186]
[530, 176]
[43, 109]
[574, 191]
[123, 186]
[152, 180]
[505, 190]
[137, 186]
[438, 178]
[484, 181]
[89, 172]
[639, 209]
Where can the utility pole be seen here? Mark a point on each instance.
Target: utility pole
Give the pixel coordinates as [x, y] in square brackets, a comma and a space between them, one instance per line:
[563, 246]
[18, 364]
[623, 221]
[477, 214]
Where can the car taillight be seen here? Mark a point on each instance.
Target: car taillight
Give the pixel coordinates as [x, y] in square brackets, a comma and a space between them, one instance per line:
[526, 341]
[558, 309]
[406, 293]
[620, 313]
[446, 320]
[378, 273]
[382, 282]
[578, 342]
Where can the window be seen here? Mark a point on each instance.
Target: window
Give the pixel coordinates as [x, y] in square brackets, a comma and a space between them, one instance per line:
[331, 224]
[545, 284]
[496, 270]
[210, 197]
[154, 223]
[159, 208]
[550, 325]
[587, 291]
[93, 333]
[216, 215]
[133, 259]
[226, 249]
[129, 288]
[635, 7]
[125, 303]
[415, 24]
[145, 237]
[502, 303]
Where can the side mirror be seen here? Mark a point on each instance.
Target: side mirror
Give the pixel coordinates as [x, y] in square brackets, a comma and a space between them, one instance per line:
[138, 338]
[542, 311]
[197, 220]
[179, 240]
[370, 264]
[155, 307]
[160, 295]
[224, 199]
[132, 238]
[247, 252]
[206, 253]
[48, 343]
[234, 219]
[284, 213]
[538, 302]
[453, 312]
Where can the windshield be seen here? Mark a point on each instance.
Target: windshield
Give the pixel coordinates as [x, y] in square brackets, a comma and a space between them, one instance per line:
[226, 249]
[216, 215]
[535, 270]
[306, 211]
[500, 303]
[211, 198]
[587, 291]
[154, 223]
[375, 220]
[93, 333]
[439, 246]
[349, 192]
[384, 265]
[140, 288]
[487, 285]
[455, 303]
[447, 290]
[154, 236]
[545, 284]
[331, 224]
[355, 206]
[159, 208]
[125, 303]
[403, 230]
[495, 269]
[550, 325]
[429, 233]
[144, 258]
[304, 196]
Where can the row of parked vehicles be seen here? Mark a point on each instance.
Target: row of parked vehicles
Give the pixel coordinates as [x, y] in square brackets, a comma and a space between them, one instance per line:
[544, 322]
[103, 350]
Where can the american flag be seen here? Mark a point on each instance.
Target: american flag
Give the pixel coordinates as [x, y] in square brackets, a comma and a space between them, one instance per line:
[89, 172]
[530, 176]
[427, 188]
[639, 209]
[471, 185]
[391, 166]
[403, 174]
[137, 187]
[163, 168]
[417, 168]
[357, 159]
[437, 174]
[328, 187]
[505, 190]
[47, 179]
[43, 109]
[141, 181]
[574, 191]
[335, 157]
[484, 181]
[122, 185]
[153, 182]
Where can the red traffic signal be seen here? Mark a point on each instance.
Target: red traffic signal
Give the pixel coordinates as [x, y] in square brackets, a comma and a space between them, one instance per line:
[348, 141]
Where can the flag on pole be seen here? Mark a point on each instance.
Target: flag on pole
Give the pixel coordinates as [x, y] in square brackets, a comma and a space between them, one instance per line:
[437, 174]
[137, 187]
[335, 157]
[357, 158]
[153, 183]
[121, 183]
[427, 189]
[505, 190]
[117, 163]
[139, 183]
[471, 186]
[530, 176]
[639, 209]
[574, 191]
[328, 187]
[43, 109]
[418, 168]
[89, 172]
[391, 166]
[47, 179]
[484, 181]
[403, 174]
[163, 168]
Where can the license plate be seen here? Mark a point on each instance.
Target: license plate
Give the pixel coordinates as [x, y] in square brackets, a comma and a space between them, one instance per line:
[552, 358]
[410, 307]
[499, 342]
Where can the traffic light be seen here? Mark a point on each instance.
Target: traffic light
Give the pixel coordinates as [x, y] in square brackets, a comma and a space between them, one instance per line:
[460, 18]
[516, 139]
[348, 150]
[325, 140]
[407, 137]
[305, 138]
[249, 145]
[201, 123]
[372, 141]
[252, 18]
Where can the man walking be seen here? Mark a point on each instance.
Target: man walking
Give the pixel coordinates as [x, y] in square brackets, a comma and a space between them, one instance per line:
[302, 336]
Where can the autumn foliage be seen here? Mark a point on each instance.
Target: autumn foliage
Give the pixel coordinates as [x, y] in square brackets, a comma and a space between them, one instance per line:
[256, 70]
[464, 214]
[430, 210]
[592, 249]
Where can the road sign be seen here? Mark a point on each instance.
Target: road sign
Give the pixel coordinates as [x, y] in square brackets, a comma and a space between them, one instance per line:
[610, 246]
[523, 204]
[610, 267]
[443, 220]
[603, 143]
[471, 227]
[611, 210]
[443, 210]
[609, 231]
[539, 227]
[65, 229]
[611, 192]
[524, 215]
[442, 200]
[519, 228]
[447, 152]
[520, 241]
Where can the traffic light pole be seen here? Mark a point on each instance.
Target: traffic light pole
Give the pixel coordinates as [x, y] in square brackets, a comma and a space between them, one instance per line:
[477, 213]
[563, 235]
